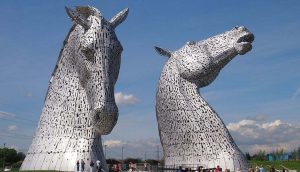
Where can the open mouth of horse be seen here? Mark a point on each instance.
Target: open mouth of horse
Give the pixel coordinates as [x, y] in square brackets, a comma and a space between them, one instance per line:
[243, 44]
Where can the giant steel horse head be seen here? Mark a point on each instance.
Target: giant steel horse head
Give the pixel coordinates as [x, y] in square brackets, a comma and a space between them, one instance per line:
[80, 104]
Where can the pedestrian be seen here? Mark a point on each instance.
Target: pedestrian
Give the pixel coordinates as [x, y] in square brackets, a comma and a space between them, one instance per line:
[130, 167]
[218, 169]
[256, 169]
[261, 168]
[118, 167]
[251, 169]
[91, 166]
[99, 167]
[272, 169]
[82, 165]
[200, 169]
[115, 167]
[77, 165]
[180, 169]
[145, 166]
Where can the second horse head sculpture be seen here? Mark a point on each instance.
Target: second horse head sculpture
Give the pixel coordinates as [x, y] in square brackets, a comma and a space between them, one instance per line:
[191, 132]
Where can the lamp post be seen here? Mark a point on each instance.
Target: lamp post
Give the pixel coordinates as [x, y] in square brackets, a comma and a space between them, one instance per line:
[3, 156]
[105, 151]
[158, 155]
[122, 153]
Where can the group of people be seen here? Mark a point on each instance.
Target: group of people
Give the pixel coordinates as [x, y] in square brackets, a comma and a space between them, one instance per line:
[132, 167]
[219, 169]
[80, 166]
[117, 167]
[261, 169]
[201, 169]
[257, 169]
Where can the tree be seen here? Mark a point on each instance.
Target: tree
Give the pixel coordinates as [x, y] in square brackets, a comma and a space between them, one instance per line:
[21, 156]
[11, 156]
[248, 156]
[260, 156]
[294, 154]
[298, 153]
[278, 154]
[133, 160]
[112, 161]
[152, 161]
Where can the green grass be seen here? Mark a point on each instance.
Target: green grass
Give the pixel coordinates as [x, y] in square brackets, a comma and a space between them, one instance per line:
[292, 165]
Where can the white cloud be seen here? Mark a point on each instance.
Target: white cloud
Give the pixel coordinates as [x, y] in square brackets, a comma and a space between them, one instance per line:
[125, 99]
[6, 114]
[137, 148]
[296, 93]
[12, 128]
[113, 143]
[14, 147]
[252, 135]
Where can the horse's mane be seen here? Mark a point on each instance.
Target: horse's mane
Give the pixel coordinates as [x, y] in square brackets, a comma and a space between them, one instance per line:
[59, 57]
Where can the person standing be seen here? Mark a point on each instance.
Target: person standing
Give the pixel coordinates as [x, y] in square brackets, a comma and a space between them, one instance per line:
[200, 169]
[98, 164]
[251, 169]
[272, 169]
[77, 165]
[261, 168]
[218, 169]
[130, 167]
[82, 165]
[91, 166]
[145, 166]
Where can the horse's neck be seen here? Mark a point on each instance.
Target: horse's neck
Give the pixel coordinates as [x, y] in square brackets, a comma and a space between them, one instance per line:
[65, 94]
[173, 87]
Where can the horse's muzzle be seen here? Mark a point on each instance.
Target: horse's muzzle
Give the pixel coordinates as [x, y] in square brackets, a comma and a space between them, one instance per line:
[106, 118]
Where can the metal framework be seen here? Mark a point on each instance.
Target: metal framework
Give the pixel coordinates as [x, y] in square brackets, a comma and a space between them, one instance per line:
[191, 132]
[79, 105]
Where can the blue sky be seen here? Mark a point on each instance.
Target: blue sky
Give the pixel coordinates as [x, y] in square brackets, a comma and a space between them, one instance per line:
[256, 94]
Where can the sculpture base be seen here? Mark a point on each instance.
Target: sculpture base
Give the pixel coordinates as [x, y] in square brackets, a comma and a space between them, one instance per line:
[59, 160]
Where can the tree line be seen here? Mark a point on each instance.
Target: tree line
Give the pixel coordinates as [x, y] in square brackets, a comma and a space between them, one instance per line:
[11, 157]
[261, 155]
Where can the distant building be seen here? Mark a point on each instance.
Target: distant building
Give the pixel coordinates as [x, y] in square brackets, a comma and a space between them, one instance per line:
[283, 157]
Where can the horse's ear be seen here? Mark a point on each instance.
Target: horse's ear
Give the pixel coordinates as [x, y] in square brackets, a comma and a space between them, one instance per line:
[163, 52]
[119, 18]
[78, 19]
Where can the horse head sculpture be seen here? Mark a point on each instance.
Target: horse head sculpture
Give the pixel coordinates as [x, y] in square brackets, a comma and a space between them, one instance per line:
[191, 132]
[79, 105]
[97, 57]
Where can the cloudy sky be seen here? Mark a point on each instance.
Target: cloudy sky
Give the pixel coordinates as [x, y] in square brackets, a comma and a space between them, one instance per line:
[257, 95]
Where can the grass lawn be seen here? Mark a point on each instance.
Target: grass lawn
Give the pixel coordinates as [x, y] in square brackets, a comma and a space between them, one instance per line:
[292, 165]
